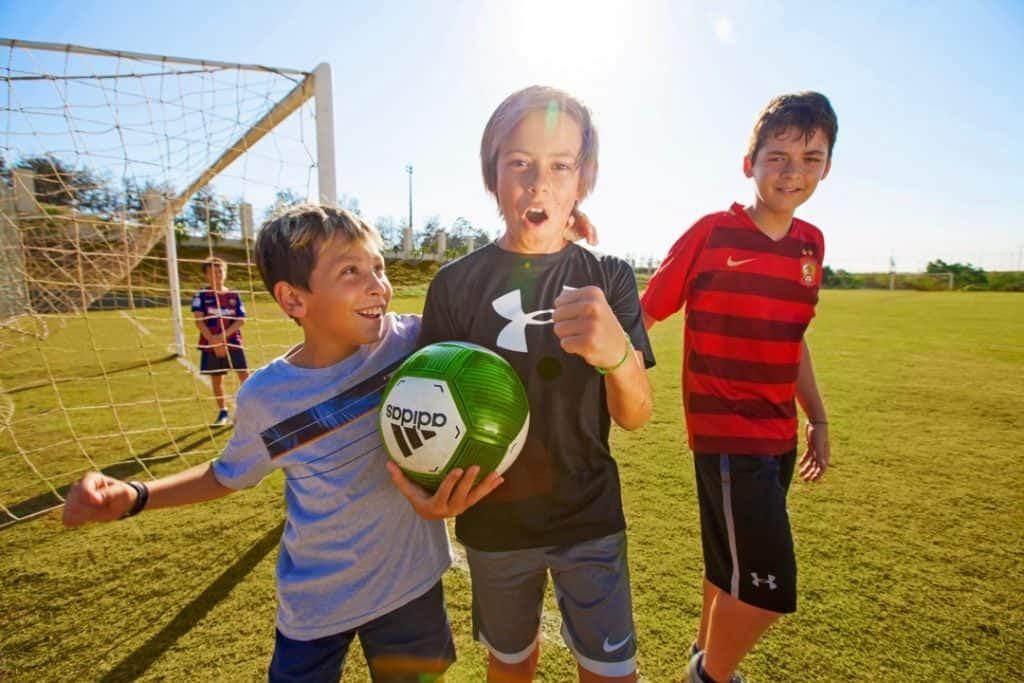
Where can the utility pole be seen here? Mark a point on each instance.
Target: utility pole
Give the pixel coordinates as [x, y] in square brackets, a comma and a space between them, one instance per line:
[408, 169]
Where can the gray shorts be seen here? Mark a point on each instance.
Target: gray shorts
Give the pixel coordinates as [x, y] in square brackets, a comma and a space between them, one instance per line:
[592, 589]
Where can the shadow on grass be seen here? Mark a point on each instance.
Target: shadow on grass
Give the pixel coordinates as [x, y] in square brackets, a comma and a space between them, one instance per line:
[138, 662]
[45, 502]
[123, 368]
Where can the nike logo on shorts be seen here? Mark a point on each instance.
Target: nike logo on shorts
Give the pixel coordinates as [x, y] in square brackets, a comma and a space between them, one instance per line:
[612, 647]
[732, 263]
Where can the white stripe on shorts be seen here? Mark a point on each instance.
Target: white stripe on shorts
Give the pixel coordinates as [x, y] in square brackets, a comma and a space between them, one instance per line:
[505, 658]
[730, 526]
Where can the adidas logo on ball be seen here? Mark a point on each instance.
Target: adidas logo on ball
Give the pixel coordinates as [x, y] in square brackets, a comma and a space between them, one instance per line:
[420, 418]
[452, 405]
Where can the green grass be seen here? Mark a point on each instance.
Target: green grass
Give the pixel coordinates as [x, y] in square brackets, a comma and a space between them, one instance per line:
[910, 550]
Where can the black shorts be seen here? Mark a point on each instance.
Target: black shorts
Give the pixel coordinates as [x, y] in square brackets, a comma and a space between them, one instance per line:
[411, 644]
[745, 533]
[212, 364]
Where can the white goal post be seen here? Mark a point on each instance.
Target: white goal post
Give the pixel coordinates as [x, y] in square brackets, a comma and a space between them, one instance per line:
[922, 281]
[120, 174]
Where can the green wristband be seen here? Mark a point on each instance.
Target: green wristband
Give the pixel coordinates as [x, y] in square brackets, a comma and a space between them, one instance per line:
[625, 357]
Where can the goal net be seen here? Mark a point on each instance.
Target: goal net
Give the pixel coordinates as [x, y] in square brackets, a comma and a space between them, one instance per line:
[922, 282]
[120, 173]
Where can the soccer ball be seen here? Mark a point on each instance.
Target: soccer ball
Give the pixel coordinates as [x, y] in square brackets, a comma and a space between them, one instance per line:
[453, 404]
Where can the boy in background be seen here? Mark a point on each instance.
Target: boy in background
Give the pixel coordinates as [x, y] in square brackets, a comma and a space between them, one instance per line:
[355, 559]
[749, 279]
[219, 316]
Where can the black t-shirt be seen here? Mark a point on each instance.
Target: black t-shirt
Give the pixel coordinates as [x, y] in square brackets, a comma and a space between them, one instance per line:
[564, 486]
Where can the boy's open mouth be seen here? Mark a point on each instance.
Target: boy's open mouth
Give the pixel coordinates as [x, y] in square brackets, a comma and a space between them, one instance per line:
[536, 216]
[372, 313]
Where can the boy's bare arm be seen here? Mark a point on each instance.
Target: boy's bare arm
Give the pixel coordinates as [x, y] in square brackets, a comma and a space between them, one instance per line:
[99, 498]
[208, 336]
[630, 399]
[587, 326]
[649, 322]
[235, 326]
[815, 459]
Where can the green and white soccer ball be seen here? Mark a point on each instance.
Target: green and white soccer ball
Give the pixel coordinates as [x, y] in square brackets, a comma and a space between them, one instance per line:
[453, 404]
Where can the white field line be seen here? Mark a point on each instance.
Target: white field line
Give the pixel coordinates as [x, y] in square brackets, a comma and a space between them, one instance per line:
[170, 347]
[550, 621]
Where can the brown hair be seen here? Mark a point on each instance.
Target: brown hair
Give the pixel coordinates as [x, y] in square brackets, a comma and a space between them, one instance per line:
[289, 244]
[515, 108]
[806, 111]
[212, 261]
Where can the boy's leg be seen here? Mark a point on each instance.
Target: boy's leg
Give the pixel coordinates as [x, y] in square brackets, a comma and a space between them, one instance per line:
[710, 592]
[508, 597]
[742, 625]
[411, 644]
[312, 661]
[217, 382]
[748, 553]
[592, 588]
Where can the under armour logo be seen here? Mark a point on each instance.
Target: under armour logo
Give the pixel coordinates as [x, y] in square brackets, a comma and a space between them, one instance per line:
[758, 581]
[510, 307]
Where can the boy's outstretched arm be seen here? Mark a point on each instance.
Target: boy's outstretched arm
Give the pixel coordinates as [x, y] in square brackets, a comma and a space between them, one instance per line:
[815, 459]
[99, 498]
[455, 494]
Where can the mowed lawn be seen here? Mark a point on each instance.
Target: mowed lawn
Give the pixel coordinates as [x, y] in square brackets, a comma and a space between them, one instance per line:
[910, 550]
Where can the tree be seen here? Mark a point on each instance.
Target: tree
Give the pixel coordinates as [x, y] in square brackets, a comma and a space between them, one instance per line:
[459, 234]
[964, 274]
[390, 232]
[211, 215]
[350, 204]
[283, 199]
[426, 237]
[839, 279]
[59, 184]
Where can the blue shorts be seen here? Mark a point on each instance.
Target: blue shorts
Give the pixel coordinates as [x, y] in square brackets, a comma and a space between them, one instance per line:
[212, 364]
[411, 644]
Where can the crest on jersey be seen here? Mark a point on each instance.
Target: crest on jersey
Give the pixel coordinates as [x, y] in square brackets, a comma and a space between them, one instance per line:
[808, 268]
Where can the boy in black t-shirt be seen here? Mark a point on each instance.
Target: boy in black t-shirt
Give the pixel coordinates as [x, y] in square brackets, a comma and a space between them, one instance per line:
[570, 323]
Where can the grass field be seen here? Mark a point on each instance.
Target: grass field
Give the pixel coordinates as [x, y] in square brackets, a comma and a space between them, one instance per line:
[910, 550]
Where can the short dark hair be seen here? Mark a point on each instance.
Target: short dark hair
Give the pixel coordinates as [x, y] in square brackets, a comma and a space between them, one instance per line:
[289, 244]
[806, 111]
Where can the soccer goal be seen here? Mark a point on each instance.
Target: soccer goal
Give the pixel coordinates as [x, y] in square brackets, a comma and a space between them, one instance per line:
[922, 282]
[120, 173]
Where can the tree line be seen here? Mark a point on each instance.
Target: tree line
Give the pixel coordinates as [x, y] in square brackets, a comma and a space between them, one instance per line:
[208, 213]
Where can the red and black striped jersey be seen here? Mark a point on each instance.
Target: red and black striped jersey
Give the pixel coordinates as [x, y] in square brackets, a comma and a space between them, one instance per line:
[748, 302]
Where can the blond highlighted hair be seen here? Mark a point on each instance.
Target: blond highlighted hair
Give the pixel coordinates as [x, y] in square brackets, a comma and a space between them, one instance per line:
[516, 107]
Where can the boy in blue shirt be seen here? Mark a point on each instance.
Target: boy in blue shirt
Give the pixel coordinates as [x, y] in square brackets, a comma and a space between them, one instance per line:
[355, 558]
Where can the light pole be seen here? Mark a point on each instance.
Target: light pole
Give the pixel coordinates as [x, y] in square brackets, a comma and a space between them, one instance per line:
[408, 169]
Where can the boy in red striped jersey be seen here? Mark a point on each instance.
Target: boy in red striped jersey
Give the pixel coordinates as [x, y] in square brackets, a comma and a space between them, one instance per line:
[749, 279]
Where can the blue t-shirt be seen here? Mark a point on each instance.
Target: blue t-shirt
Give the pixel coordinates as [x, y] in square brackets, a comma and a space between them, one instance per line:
[220, 311]
[353, 549]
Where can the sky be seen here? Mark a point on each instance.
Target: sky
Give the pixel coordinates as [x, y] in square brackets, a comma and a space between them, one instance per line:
[928, 95]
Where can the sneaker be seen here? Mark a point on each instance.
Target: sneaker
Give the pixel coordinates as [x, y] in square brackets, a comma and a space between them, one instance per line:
[222, 419]
[695, 669]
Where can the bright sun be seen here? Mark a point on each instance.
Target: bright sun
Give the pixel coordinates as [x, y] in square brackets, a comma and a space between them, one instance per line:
[569, 42]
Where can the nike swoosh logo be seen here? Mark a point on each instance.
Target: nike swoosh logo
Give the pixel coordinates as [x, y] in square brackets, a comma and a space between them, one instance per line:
[732, 264]
[610, 647]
